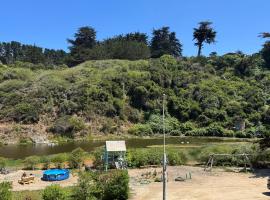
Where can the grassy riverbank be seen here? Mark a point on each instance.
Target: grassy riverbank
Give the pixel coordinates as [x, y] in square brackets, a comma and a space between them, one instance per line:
[181, 153]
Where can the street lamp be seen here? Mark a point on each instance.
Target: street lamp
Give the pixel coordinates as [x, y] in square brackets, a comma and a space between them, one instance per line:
[164, 151]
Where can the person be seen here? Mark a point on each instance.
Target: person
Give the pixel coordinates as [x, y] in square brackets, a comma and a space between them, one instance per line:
[24, 174]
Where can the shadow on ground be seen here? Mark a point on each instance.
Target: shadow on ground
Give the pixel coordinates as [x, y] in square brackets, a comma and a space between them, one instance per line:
[260, 173]
[266, 194]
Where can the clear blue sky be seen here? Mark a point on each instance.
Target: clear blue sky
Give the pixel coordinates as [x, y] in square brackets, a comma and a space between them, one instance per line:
[49, 23]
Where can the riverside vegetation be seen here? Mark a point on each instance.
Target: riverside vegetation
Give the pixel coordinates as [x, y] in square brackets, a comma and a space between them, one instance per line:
[115, 86]
[206, 96]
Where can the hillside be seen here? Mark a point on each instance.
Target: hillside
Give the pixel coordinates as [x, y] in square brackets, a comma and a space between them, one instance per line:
[215, 96]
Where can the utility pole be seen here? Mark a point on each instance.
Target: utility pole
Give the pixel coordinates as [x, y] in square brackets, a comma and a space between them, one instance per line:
[164, 151]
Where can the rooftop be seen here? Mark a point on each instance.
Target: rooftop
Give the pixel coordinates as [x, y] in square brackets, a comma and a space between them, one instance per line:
[116, 145]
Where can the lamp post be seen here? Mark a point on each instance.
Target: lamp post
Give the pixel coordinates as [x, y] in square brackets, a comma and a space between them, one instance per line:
[164, 151]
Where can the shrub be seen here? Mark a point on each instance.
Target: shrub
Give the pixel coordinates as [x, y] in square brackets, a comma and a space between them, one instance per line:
[86, 189]
[229, 159]
[187, 126]
[3, 162]
[115, 185]
[142, 157]
[212, 130]
[175, 157]
[77, 123]
[5, 191]
[154, 156]
[98, 154]
[155, 122]
[25, 112]
[141, 130]
[46, 162]
[215, 130]
[31, 162]
[59, 160]
[168, 61]
[53, 192]
[111, 185]
[109, 127]
[76, 158]
[68, 125]
[262, 159]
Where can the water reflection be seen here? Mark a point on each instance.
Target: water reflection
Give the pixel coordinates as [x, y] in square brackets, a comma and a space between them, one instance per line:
[21, 151]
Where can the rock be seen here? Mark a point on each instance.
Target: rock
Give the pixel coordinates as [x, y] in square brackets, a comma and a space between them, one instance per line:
[179, 179]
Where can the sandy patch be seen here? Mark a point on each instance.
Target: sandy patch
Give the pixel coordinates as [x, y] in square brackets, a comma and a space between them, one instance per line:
[38, 184]
[217, 185]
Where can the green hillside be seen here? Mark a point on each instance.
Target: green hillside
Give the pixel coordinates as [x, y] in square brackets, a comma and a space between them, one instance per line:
[214, 96]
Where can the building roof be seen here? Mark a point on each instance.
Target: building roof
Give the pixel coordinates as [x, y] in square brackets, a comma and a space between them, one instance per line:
[116, 145]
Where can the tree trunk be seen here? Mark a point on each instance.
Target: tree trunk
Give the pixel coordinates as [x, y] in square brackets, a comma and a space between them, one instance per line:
[199, 50]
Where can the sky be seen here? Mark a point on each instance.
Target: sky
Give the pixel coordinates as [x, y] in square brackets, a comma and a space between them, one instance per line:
[48, 23]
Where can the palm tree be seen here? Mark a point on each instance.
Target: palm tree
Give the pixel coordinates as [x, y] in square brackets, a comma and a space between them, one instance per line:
[264, 35]
[204, 33]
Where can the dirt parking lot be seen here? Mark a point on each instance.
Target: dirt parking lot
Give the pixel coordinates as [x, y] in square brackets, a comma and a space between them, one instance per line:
[215, 185]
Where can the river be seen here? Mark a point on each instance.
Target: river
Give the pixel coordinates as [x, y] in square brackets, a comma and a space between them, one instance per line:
[22, 151]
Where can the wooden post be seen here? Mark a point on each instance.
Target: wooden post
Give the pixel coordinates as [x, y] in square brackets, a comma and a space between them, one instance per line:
[212, 161]
[106, 160]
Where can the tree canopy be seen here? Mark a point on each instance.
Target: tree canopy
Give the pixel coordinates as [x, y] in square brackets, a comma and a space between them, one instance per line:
[165, 42]
[204, 34]
[266, 49]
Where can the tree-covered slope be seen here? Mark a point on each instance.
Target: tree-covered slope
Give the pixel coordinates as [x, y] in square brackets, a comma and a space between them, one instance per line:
[215, 96]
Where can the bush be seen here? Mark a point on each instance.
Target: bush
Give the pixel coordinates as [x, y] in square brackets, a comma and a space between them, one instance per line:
[111, 185]
[168, 61]
[142, 157]
[229, 159]
[155, 122]
[53, 192]
[98, 158]
[3, 162]
[115, 185]
[68, 125]
[25, 112]
[86, 189]
[175, 157]
[76, 158]
[59, 160]
[212, 130]
[5, 191]
[77, 123]
[185, 127]
[141, 130]
[31, 162]
[154, 156]
[46, 162]
[262, 159]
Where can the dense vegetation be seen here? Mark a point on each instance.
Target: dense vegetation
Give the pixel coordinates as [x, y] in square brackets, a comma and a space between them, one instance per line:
[224, 95]
[214, 96]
